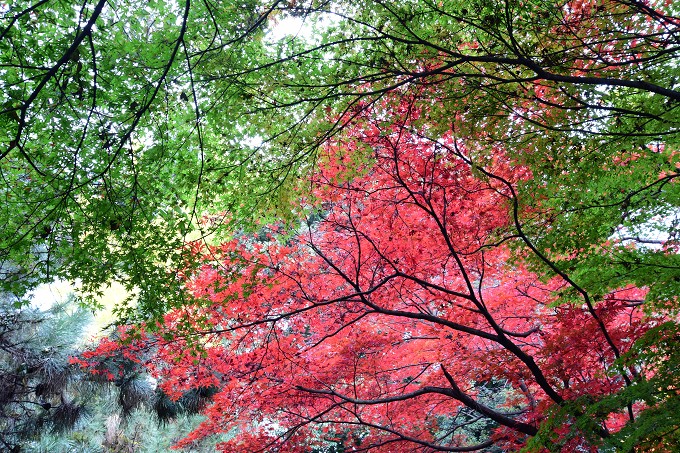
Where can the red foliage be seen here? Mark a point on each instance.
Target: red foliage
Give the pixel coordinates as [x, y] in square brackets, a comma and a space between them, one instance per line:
[380, 324]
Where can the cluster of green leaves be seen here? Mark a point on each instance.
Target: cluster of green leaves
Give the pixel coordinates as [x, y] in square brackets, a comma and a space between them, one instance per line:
[84, 192]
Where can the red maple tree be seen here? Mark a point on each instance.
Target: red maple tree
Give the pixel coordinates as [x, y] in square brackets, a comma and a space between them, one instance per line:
[401, 316]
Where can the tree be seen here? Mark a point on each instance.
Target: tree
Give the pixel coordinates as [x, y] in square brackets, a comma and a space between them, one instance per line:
[121, 130]
[379, 325]
[38, 384]
[103, 146]
[48, 404]
[560, 121]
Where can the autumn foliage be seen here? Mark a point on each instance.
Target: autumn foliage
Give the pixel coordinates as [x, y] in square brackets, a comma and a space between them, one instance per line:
[409, 312]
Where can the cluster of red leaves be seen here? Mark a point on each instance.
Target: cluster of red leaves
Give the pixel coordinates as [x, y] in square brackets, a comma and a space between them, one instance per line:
[111, 354]
[377, 324]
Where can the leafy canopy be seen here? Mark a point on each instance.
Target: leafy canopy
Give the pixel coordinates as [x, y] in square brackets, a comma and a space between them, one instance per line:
[499, 172]
[123, 124]
[382, 321]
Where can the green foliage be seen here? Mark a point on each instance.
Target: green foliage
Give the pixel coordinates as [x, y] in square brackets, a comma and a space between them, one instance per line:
[656, 426]
[47, 404]
[40, 390]
[105, 431]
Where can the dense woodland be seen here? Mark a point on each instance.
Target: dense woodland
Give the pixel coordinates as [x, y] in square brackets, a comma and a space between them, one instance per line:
[366, 225]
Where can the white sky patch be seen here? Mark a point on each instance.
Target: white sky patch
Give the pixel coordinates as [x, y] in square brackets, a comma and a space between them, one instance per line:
[289, 26]
[47, 294]
[652, 235]
[304, 28]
